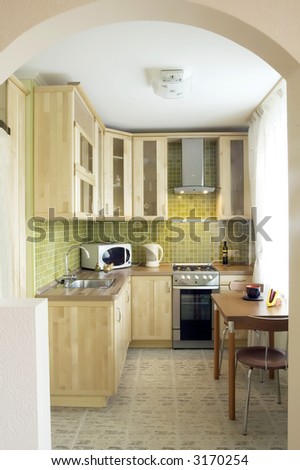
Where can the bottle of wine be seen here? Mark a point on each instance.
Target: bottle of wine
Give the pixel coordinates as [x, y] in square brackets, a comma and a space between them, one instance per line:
[225, 253]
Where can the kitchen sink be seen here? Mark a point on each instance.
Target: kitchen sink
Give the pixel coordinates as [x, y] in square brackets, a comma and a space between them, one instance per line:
[91, 283]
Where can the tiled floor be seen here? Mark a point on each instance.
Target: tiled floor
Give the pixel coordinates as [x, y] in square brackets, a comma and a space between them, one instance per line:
[168, 399]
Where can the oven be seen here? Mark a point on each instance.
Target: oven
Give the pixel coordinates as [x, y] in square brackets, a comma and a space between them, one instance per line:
[193, 326]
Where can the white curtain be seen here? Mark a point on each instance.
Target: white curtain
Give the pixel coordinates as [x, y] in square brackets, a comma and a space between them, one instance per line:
[269, 191]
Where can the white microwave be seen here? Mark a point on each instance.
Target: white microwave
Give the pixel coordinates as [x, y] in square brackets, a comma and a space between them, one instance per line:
[106, 253]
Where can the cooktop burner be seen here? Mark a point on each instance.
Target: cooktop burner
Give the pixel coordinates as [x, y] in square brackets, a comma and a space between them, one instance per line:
[193, 267]
[196, 275]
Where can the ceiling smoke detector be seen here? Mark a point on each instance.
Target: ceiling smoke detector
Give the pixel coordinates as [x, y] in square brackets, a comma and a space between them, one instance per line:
[171, 84]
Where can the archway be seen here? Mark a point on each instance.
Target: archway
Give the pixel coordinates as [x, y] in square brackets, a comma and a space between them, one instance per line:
[48, 26]
[45, 28]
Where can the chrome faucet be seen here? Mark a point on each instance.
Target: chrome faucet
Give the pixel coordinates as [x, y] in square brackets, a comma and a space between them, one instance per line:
[67, 275]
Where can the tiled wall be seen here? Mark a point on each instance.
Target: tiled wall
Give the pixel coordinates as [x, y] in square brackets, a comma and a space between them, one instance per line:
[52, 239]
[198, 239]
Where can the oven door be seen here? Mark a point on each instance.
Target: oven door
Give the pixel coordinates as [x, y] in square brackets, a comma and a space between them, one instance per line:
[192, 318]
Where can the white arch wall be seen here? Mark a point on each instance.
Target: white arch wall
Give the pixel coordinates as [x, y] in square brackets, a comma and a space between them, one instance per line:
[270, 29]
[261, 26]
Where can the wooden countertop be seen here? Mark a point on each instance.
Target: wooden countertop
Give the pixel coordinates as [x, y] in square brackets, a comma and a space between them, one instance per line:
[57, 292]
[164, 269]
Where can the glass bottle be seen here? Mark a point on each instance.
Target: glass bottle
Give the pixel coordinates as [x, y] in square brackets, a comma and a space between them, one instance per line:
[225, 253]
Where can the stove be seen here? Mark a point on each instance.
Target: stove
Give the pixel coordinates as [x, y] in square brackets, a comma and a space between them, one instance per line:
[192, 324]
[196, 275]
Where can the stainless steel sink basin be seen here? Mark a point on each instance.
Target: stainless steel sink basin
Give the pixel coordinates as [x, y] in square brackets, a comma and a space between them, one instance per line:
[91, 283]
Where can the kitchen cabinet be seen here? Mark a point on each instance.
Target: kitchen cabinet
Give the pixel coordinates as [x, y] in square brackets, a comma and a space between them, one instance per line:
[225, 279]
[88, 343]
[122, 309]
[150, 191]
[14, 208]
[66, 150]
[151, 310]
[233, 197]
[117, 174]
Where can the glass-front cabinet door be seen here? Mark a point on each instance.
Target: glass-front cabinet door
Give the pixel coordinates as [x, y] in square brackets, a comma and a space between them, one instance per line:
[150, 177]
[117, 175]
[233, 197]
[85, 174]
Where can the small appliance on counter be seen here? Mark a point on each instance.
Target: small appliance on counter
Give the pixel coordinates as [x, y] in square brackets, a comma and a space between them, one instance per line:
[116, 255]
[154, 254]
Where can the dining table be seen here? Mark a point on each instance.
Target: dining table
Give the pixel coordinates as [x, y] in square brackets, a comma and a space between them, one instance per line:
[238, 313]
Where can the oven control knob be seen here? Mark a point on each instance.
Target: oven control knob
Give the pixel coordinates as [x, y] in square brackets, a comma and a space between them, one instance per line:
[204, 276]
[182, 276]
[210, 277]
[196, 276]
[188, 277]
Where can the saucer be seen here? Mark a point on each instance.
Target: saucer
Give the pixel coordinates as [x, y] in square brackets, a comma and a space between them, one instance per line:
[245, 297]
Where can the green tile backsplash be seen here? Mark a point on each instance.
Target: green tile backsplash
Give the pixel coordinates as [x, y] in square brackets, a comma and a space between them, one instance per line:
[194, 239]
[190, 205]
[52, 240]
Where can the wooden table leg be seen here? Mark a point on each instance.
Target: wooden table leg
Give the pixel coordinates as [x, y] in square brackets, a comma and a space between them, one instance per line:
[231, 371]
[216, 343]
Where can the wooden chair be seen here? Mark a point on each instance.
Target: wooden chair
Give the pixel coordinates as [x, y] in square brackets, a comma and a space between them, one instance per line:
[263, 357]
[239, 286]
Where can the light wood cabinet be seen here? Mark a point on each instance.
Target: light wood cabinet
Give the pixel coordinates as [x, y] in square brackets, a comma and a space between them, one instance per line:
[122, 309]
[66, 136]
[117, 174]
[151, 310]
[225, 280]
[15, 197]
[150, 191]
[233, 197]
[88, 345]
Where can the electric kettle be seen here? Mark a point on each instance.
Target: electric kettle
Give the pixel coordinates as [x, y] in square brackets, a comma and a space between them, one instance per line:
[154, 254]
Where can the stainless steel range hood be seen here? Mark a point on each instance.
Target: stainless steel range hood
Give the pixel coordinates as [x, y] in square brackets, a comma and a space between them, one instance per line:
[192, 169]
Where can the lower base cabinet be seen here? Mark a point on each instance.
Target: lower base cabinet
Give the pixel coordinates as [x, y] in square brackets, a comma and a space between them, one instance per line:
[151, 311]
[122, 331]
[88, 346]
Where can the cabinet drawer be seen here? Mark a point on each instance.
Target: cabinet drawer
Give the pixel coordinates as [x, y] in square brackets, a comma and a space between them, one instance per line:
[225, 279]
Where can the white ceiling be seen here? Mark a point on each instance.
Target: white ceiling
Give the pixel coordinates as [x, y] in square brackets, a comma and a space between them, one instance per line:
[115, 64]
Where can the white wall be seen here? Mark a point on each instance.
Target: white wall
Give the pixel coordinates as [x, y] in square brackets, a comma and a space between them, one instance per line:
[24, 375]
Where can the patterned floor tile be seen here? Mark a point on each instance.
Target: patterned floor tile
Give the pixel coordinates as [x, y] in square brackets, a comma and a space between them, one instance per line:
[168, 399]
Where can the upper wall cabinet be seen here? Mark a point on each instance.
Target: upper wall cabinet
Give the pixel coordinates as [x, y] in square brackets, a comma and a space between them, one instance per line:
[150, 192]
[233, 197]
[117, 174]
[66, 153]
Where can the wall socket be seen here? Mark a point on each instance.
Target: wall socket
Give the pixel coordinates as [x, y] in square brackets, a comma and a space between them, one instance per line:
[234, 253]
